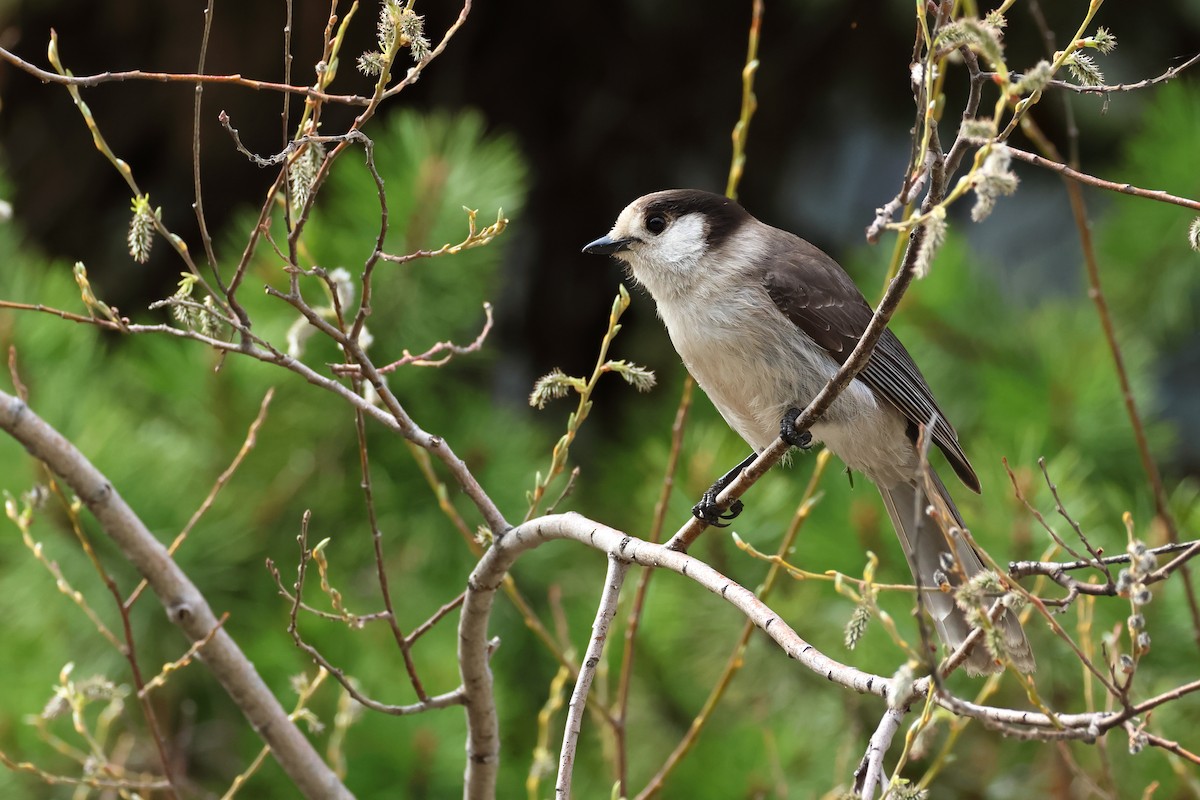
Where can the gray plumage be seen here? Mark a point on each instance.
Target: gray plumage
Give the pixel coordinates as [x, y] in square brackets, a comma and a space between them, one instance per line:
[762, 319]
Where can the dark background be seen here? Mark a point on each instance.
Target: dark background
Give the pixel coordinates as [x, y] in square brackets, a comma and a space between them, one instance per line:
[608, 100]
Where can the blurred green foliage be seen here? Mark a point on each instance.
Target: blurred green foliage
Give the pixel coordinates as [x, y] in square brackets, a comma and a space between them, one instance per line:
[162, 418]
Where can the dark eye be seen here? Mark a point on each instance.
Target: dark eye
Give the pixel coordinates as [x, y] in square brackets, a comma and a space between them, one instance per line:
[656, 224]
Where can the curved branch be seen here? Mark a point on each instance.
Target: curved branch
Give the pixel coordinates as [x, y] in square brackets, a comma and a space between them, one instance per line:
[185, 605]
[474, 648]
[483, 737]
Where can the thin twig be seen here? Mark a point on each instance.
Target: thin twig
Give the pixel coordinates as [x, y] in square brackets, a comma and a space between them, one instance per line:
[1096, 292]
[222, 479]
[198, 204]
[605, 611]
[1172, 747]
[1058, 541]
[1021, 569]
[1171, 73]
[1062, 512]
[1100, 183]
[176, 77]
[437, 356]
[360, 430]
[428, 624]
[353, 620]
[161, 678]
[148, 784]
[427, 703]
[67, 315]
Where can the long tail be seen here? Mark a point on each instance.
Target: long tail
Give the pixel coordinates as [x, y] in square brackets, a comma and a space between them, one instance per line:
[925, 547]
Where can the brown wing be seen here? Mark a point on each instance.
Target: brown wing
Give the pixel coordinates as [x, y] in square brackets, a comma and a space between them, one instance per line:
[819, 298]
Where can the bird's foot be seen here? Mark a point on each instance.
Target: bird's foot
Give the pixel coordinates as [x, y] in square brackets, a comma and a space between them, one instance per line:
[707, 510]
[788, 432]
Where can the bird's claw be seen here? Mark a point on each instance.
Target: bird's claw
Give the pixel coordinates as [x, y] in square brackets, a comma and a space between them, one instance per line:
[709, 513]
[788, 432]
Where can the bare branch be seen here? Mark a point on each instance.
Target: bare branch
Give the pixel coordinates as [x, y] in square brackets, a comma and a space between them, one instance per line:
[175, 77]
[1171, 73]
[1100, 183]
[1022, 569]
[868, 778]
[483, 741]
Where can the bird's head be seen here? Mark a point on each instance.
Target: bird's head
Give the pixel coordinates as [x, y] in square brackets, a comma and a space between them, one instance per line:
[665, 238]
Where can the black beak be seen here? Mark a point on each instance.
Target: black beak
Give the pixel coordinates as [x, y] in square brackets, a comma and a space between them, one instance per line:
[606, 246]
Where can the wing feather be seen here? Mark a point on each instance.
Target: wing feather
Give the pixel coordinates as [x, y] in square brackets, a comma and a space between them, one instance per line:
[819, 298]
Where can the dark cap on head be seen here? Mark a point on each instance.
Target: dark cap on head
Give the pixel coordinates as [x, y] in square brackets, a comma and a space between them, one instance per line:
[724, 216]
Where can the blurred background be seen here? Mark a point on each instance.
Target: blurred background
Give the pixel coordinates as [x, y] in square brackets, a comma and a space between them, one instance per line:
[561, 114]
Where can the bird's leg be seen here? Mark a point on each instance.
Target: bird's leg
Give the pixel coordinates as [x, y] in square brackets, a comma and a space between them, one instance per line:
[788, 432]
[707, 511]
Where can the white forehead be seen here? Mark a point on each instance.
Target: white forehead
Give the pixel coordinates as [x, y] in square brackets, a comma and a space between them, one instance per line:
[629, 221]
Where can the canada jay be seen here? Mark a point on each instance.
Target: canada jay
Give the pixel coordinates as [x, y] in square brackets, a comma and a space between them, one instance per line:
[763, 319]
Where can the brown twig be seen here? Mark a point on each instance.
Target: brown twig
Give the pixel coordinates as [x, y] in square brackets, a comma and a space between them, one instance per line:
[90, 781]
[436, 356]
[1172, 747]
[426, 703]
[1058, 540]
[161, 678]
[353, 620]
[1100, 183]
[67, 315]
[1062, 512]
[222, 479]
[97, 79]
[198, 203]
[360, 429]
[428, 624]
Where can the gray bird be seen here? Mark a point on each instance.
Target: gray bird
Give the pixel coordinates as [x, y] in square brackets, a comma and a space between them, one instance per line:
[762, 319]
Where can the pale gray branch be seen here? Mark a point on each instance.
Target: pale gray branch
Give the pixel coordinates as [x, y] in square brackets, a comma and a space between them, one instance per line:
[483, 740]
[185, 605]
[605, 612]
[868, 778]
